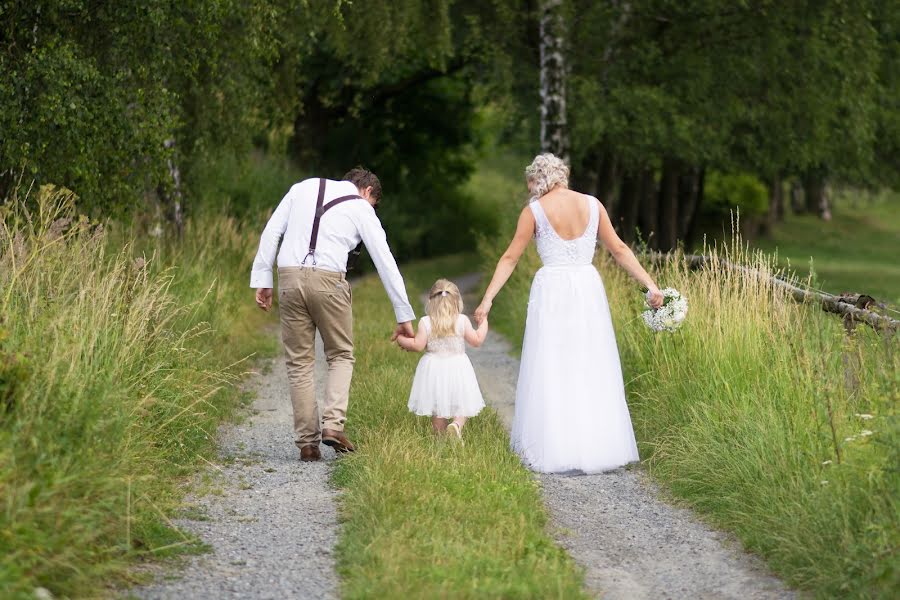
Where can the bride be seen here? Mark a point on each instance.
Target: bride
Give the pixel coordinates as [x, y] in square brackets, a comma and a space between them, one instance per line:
[570, 399]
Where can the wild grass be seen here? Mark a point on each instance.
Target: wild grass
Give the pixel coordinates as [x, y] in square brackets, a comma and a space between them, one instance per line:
[763, 415]
[424, 517]
[116, 366]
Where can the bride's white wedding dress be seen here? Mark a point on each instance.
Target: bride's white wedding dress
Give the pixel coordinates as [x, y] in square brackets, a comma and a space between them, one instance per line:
[570, 399]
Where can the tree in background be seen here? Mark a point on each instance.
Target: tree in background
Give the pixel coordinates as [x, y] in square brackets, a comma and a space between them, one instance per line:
[394, 86]
[108, 99]
[662, 92]
[554, 128]
[649, 99]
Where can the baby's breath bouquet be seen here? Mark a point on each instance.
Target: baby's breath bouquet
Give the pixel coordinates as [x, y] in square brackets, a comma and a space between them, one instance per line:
[669, 316]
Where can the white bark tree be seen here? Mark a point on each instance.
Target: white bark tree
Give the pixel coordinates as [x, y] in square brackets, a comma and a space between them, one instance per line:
[554, 126]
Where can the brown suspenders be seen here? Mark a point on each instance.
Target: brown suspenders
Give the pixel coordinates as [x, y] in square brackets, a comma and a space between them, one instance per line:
[321, 208]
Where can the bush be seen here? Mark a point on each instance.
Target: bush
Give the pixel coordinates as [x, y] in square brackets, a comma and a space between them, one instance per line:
[245, 187]
[724, 192]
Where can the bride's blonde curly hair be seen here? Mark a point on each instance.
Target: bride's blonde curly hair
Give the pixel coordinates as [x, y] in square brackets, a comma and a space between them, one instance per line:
[444, 307]
[546, 172]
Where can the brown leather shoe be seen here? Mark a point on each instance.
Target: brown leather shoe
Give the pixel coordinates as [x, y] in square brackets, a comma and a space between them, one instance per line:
[310, 453]
[337, 440]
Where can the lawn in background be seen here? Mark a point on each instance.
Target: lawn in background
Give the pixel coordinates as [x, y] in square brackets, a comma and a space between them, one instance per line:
[857, 251]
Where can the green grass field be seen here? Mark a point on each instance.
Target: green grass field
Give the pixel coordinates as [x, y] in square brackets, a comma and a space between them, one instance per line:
[857, 251]
[425, 517]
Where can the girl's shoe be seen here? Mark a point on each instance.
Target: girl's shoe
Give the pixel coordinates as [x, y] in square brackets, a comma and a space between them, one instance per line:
[453, 429]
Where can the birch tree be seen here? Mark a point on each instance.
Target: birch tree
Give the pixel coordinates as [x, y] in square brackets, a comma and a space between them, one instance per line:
[554, 126]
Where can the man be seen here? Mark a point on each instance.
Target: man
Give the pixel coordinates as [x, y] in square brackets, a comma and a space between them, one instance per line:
[320, 221]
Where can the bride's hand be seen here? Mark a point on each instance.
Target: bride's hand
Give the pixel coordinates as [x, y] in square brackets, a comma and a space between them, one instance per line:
[482, 311]
[654, 297]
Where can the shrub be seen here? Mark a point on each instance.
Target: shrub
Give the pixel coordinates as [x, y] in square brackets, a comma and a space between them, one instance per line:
[726, 192]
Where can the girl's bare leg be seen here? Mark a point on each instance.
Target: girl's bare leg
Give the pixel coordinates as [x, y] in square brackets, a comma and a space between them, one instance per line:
[439, 424]
[460, 421]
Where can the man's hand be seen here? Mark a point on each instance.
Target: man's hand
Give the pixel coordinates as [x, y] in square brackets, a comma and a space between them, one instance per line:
[403, 329]
[264, 298]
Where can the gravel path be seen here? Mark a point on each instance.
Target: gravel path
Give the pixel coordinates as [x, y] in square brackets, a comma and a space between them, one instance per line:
[631, 544]
[273, 528]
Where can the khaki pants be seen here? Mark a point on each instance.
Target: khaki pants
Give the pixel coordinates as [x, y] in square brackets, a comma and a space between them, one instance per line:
[310, 299]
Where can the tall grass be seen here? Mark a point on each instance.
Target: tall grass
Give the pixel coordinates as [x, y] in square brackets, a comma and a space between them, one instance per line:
[756, 413]
[115, 368]
[426, 518]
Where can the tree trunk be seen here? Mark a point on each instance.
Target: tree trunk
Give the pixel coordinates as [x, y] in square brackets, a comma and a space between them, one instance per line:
[648, 218]
[554, 127]
[170, 196]
[668, 206]
[776, 205]
[690, 232]
[629, 205]
[688, 201]
[797, 205]
[825, 204]
[606, 178]
[817, 195]
[585, 174]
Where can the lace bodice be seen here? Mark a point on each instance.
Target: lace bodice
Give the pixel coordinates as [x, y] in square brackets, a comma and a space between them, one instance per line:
[443, 346]
[556, 251]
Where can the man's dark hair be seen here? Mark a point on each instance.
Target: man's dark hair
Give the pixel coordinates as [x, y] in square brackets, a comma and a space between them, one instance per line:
[363, 178]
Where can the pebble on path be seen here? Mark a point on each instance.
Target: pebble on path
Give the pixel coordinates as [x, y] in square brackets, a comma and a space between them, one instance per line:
[272, 531]
[631, 544]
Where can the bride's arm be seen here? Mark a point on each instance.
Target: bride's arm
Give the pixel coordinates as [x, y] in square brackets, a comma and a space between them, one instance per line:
[625, 257]
[507, 263]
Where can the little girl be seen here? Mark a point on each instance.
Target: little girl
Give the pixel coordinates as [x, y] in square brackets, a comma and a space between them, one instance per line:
[445, 386]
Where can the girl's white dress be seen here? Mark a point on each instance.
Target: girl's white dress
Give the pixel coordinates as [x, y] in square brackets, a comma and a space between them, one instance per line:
[570, 399]
[445, 383]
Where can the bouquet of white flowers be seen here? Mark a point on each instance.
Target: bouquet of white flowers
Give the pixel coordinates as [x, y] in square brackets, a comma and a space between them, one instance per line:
[669, 316]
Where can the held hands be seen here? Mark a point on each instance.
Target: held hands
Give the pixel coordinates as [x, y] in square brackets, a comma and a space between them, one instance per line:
[405, 342]
[264, 298]
[481, 313]
[654, 297]
[404, 329]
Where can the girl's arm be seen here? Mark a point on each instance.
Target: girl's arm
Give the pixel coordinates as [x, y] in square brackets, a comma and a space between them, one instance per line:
[626, 259]
[475, 337]
[507, 263]
[416, 344]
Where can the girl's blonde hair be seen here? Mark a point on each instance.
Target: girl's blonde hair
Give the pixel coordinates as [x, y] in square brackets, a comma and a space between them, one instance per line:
[546, 172]
[444, 307]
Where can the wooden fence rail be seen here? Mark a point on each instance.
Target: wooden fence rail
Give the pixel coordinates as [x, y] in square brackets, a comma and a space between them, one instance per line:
[854, 308]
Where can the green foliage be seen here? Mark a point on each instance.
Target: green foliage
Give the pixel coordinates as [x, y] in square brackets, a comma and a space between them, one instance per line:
[90, 94]
[742, 192]
[423, 517]
[886, 167]
[404, 106]
[245, 187]
[763, 87]
[132, 360]
[14, 373]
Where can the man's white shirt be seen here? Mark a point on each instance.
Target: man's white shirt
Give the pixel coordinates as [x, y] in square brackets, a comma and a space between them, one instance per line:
[340, 230]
